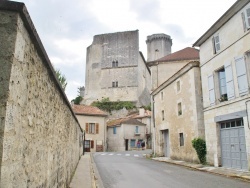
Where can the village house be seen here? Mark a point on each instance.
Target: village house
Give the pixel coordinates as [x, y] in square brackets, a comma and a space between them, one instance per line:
[124, 134]
[93, 122]
[178, 116]
[225, 74]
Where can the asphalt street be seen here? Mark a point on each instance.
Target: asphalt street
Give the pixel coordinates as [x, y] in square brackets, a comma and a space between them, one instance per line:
[132, 169]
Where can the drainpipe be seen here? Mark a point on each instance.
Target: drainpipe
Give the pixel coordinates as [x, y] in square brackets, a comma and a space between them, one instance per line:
[247, 114]
[153, 119]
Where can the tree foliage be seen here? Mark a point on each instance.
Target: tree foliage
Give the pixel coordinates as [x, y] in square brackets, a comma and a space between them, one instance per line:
[107, 105]
[79, 98]
[61, 78]
[200, 146]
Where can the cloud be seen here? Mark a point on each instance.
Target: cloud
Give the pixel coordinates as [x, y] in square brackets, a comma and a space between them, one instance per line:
[146, 10]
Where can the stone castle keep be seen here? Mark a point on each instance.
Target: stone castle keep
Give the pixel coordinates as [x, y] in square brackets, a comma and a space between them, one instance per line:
[116, 69]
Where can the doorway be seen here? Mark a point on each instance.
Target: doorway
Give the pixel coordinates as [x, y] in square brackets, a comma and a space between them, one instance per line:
[166, 143]
[126, 144]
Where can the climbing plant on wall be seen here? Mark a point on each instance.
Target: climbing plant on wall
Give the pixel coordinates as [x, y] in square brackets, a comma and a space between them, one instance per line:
[107, 105]
[200, 146]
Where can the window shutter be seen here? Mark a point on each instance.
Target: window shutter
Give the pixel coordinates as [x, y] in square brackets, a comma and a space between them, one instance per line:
[211, 89]
[241, 75]
[87, 128]
[244, 21]
[229, 80]
[97, 128]
[247, 18]
[213, 43]
[92, 143]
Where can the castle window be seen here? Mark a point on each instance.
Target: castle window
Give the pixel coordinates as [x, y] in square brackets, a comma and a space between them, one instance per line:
[115, 64]
[115, 84]
[179, 109]
[162, 115]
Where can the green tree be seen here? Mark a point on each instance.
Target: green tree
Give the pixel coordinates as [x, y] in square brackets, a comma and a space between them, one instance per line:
[200, 146]
[61, 78]
[79, 98]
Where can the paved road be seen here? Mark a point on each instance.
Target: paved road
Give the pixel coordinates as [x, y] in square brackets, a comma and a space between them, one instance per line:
[132, 170]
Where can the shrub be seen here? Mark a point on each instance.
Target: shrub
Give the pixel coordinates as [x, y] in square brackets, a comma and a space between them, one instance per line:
[200, 146]
[107, 105]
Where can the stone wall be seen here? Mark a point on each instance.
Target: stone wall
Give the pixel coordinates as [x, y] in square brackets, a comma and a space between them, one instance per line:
[40, 138]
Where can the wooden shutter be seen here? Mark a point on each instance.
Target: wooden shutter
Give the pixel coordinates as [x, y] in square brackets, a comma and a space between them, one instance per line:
[229, 80]
[244, 21]
[213, 43]
[247, 17]
[211, 89]
[241, 75]
[87, 128]
[97, 128]
[92, 143]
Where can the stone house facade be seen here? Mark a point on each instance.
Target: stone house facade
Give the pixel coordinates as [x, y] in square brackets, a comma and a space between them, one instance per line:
[178, 116]
[115, 69]
[40, 137]
[93, 122]
[225, 72]
[163, 68]
[124, 133]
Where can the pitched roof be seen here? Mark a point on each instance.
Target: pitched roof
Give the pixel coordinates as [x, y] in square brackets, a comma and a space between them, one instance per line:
[184, 54]
[136, 115]
[126, 120]
[88, 110]
[236, 7]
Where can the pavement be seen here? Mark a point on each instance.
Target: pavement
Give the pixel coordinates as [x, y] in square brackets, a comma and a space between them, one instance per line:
[87, 176]
[228, 172]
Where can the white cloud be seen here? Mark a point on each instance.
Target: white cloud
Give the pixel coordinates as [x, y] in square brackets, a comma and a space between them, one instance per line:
[67, 28]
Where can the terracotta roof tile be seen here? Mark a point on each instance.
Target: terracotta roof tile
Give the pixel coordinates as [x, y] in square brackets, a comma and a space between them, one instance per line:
[184, 54]
[126, 120]
[88, 110]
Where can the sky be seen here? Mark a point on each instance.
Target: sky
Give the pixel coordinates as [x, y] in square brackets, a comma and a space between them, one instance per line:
[66, 28]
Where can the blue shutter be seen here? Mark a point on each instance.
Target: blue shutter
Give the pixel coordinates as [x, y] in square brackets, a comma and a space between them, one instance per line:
[211, 89]
[229, 80]
[241, 75]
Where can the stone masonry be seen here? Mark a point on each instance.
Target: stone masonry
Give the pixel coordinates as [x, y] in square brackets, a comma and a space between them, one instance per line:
[40, 138]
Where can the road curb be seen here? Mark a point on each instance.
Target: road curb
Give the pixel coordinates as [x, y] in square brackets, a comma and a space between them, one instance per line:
[96, 179]
[244, 178]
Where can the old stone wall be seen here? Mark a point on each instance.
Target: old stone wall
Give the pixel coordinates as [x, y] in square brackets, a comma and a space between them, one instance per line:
[40, 138]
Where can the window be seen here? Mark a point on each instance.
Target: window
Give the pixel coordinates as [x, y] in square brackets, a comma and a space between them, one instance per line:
[181, 139]
[136, 129]
[246, 18]
[222, 85]
[241, 75]
[114, 130]
[216, 43]
[162, 115]
[115, 64]
[132, 143]
[178, 86]
[115, 84]
[179, 109]
[92, 128]
[161, 95]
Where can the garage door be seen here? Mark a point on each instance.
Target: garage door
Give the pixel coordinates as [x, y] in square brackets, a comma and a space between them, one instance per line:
[233, 144]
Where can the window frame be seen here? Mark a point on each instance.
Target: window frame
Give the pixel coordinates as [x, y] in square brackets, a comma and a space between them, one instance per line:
[181, 139]
[179, 109]
[216, 44]
[114, 130]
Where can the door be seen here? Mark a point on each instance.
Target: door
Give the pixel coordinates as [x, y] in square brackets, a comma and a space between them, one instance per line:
[166, 143]
[87, 145]
[233, 145]
[126, 144]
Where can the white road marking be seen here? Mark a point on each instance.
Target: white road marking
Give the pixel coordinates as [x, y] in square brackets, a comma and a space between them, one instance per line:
[136, 155]
[119, 154]
[111, 154]
[103, 153]
[127, 155]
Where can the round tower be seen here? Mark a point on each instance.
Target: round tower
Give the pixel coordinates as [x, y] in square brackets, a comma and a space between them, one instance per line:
[158, 46]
